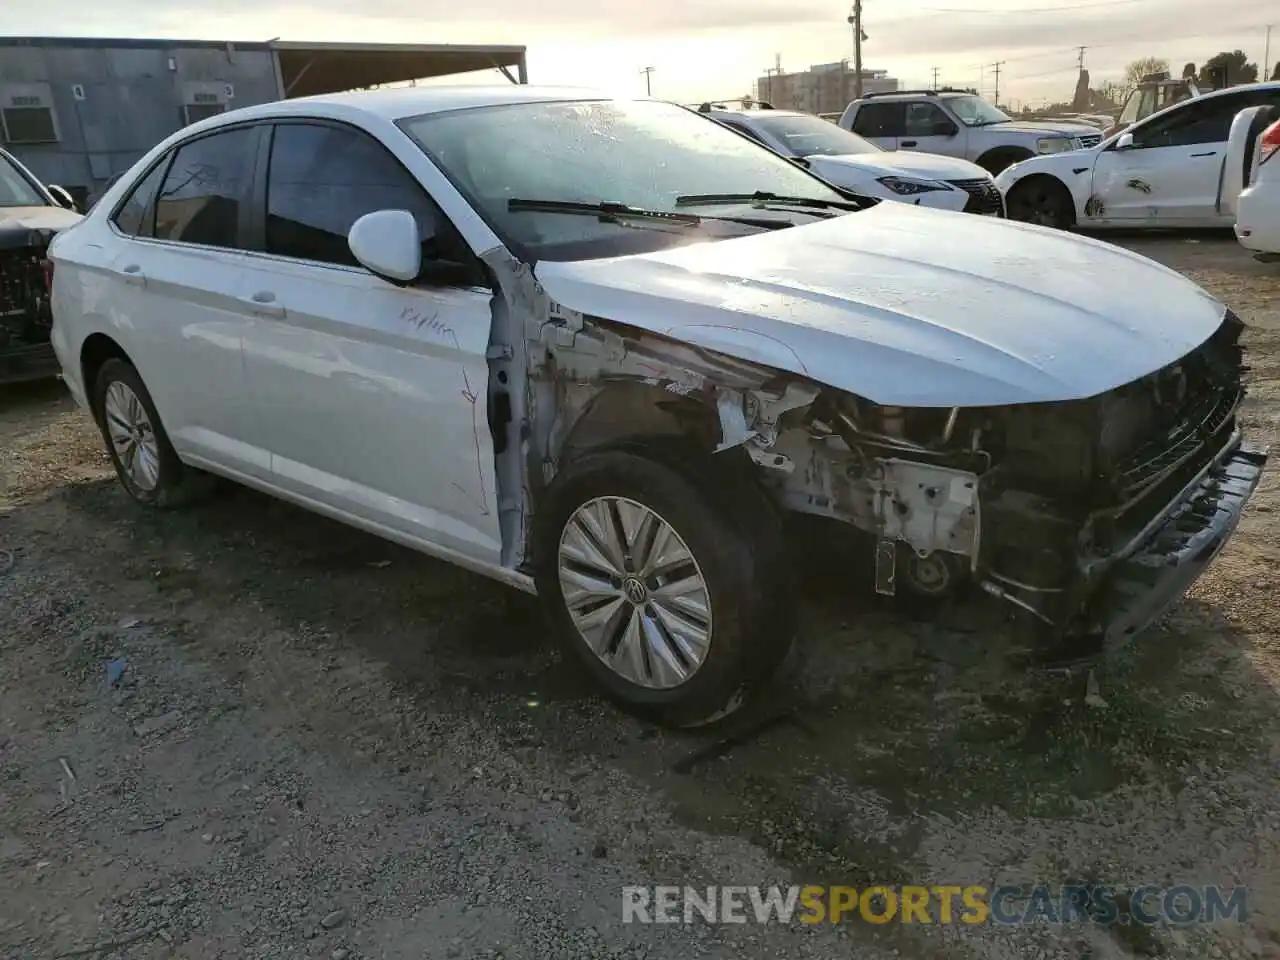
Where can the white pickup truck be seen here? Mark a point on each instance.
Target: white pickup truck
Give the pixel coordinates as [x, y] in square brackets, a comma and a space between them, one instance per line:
[960, 124]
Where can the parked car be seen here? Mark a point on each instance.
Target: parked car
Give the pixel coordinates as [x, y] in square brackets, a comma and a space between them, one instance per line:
[1257, 207]
[850, 161]
[598, 349]
[30, 215]
[1165, 171]
[959, 124]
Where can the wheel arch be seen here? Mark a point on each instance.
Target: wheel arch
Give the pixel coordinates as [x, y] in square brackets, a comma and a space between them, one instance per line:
[96, 350]
[991, 159]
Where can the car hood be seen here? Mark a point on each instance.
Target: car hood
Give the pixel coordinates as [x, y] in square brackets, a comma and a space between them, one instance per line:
[17, 223]
[927, 165]
[1066, 128]
[910, 307]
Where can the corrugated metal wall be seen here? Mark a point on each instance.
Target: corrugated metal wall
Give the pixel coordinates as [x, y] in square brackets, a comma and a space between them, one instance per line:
[112, 104]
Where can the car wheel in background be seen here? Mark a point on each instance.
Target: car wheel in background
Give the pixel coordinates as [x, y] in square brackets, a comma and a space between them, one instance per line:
[664, 574]
[1041, 200]
[145, 462]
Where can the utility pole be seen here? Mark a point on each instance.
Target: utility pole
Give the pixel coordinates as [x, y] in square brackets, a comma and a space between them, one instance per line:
[935, 78]
[768, 76]
[1266, 57]
[855, 21]
[1080, 60]
[997, 65]
[648, 86]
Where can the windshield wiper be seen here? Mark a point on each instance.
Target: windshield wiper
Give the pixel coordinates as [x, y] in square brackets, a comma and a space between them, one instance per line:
[763, 196]
[607, 210]
[613, 212]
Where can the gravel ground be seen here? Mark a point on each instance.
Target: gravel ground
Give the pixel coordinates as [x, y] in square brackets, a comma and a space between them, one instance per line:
[246, 731]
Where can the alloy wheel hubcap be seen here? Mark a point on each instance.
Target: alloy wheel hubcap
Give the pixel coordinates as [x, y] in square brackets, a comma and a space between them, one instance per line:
[635, 592]
[132, 437]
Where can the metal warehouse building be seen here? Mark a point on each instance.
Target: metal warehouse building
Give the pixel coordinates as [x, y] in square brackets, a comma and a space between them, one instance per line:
[79, 111]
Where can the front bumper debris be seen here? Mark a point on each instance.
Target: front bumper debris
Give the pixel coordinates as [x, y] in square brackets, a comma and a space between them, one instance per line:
[1167, 557]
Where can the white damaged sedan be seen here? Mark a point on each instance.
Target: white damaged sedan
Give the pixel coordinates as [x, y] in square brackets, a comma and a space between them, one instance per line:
[599, 350]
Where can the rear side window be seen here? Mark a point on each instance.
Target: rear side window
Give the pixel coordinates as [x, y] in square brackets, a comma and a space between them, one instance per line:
[880, 120]
[137, 215]
[203, 197]
[323, 178]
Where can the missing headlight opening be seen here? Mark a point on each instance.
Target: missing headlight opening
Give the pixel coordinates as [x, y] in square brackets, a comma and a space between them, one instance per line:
[1088, 516]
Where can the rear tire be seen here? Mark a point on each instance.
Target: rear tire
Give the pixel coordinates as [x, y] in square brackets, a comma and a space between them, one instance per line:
[1041, 200]
[144, 459]
[683, 632]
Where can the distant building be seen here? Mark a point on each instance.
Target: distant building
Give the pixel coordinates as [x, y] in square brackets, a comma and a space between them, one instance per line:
[80, 111]
[823, 88]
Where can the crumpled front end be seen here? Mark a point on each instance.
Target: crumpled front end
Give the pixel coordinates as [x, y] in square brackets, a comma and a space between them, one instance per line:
[1090, 516]
[25, 317]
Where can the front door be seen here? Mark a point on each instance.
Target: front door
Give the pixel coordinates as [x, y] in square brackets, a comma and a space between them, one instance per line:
[928, 129]
[371, 397]
[1172, 172]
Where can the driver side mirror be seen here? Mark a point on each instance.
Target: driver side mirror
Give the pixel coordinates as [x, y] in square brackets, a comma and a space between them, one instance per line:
[943, 128]
[1125, 142]
[63, 197]
[388, 244]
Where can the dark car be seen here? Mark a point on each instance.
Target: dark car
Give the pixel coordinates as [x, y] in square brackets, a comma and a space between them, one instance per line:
[30, 215]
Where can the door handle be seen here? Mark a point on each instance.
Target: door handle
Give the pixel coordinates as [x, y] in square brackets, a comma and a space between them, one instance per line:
[263, 303]
[910, 143]
[1211, 153]
[133, 274]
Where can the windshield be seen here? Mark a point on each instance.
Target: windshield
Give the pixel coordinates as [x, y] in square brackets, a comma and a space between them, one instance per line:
[15, 189]
[643, 154]
[976, 112]
[807, 136]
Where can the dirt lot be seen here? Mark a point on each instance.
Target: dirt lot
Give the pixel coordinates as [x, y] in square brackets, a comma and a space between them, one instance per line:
[325, 746]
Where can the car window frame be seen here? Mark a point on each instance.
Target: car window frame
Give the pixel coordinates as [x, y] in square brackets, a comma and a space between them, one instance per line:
[1239, 98]
[244, 233]
[938, 114]
[475, 273]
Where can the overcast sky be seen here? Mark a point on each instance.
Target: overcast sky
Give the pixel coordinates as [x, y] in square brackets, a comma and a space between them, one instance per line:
[716, 48]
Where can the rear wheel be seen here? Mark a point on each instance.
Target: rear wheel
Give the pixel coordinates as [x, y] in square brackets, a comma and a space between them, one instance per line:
[658, 577]
[144, 459]
[1041, 200]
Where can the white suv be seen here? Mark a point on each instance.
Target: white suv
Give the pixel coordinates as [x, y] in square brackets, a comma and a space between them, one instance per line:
[599, 349]
[958, 124]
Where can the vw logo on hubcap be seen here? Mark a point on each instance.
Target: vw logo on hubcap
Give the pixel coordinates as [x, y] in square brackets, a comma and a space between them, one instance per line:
[635, 590]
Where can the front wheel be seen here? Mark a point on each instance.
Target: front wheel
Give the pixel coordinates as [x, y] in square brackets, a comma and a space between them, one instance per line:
[664, 583]
[1041, 200]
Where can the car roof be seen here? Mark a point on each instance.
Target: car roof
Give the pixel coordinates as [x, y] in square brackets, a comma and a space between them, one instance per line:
[754, 114]
[399, 102]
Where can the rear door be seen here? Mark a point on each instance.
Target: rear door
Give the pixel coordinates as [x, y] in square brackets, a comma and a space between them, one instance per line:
[175, 292]
[881, 123]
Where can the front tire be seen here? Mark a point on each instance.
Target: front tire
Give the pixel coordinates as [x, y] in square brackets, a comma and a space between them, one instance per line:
[662, 576]
[1041, 200]
[144, 459]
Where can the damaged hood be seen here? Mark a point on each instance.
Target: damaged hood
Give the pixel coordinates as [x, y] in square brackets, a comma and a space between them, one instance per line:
[909, 307]
[18, 223]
